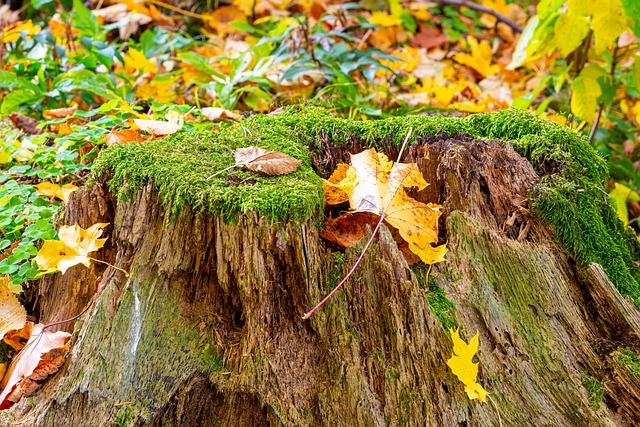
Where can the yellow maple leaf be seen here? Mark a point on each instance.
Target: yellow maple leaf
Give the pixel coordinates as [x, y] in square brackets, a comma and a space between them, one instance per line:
[384, 19]
[13, 32]
[54, 190]
[479, 59]
[375, 184]
[73, 248]
[461, 364]
[135, 61]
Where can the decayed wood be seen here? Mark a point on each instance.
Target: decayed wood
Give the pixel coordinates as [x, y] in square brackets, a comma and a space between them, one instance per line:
[207, 331]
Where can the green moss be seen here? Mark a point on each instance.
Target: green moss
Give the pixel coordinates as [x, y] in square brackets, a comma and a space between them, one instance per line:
[180, 167]
[570, 195]
[631, 360]
[442, 307]
[594, 388]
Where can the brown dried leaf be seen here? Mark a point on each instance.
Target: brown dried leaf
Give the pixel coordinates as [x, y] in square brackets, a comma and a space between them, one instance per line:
[348, 229]
[59, 113]
[17, 338]
[266, 161]
[26, 124]
[42, 356]
[119, 137]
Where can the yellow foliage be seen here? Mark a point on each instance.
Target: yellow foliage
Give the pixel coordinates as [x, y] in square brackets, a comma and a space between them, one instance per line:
[136, 63]
[461, 364]
[384, 20]
[375, 184]
[50, 189]
[73, 248]
[479, 59]
[12, 32]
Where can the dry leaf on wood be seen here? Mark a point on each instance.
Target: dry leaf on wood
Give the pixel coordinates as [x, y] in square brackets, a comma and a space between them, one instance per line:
[42, 356]
[27, 124]
[73, 248]
[17, 338]
[157, 127]
[375, 184]
[12, 313]
[266, 161]
[461, 364]
[348, 229]
[50, 189]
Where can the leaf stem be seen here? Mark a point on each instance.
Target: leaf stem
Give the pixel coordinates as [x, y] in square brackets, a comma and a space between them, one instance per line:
[339, 285]
[497, 410]
[126, 273]
[404, 144]
[223, 170]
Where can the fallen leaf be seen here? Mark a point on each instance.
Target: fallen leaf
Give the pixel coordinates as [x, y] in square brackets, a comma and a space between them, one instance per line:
[266, 161]
[119, 137]
[50, 189]
[59, 113]
[42, 356]
[17, 338]
[157, 127]
[461, 364]
[12, 313]
[479, 59]
[348, 229]
[73, 248]
[27, 124]
[333, 194]
[375, 184]
[214, 113]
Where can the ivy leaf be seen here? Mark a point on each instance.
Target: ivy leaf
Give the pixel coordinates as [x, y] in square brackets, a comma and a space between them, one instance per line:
[461, 364]
[375, 184]
[73, 248]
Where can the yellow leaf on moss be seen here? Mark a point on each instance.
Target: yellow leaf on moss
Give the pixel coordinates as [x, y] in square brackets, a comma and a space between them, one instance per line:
[73, 248]
[461, 364]
[375, 184]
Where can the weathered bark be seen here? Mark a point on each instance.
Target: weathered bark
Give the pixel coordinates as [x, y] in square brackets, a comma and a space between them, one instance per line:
[207, 331]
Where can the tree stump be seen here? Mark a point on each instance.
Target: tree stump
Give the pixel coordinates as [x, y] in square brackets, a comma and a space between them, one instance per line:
[208, 329]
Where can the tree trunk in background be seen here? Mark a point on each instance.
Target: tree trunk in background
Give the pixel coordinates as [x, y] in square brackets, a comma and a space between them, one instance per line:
[207, 331]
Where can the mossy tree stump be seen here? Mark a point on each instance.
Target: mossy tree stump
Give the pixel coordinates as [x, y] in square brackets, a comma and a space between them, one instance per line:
[207, 330]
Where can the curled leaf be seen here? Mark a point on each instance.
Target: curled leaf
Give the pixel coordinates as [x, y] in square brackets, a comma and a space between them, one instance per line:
[266, 161]
[157, 127]
[42, 356]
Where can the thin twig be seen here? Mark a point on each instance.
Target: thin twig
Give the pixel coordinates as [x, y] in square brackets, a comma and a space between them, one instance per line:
[612, 73]
[339, 285]
[404, 144]
[126, 273]
[497, 410]
[480, 8]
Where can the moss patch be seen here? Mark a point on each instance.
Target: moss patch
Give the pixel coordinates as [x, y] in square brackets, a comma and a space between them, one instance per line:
[570, 196]
[631, 360]
[442, 307]
[594, 388]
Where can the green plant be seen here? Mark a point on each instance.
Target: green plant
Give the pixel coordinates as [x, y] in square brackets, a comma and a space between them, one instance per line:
[594, 390]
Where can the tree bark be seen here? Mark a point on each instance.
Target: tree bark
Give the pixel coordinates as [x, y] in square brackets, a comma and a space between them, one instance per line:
[208, 329]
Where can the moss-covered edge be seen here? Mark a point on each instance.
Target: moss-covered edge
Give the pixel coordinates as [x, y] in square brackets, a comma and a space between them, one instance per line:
[570, 196]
